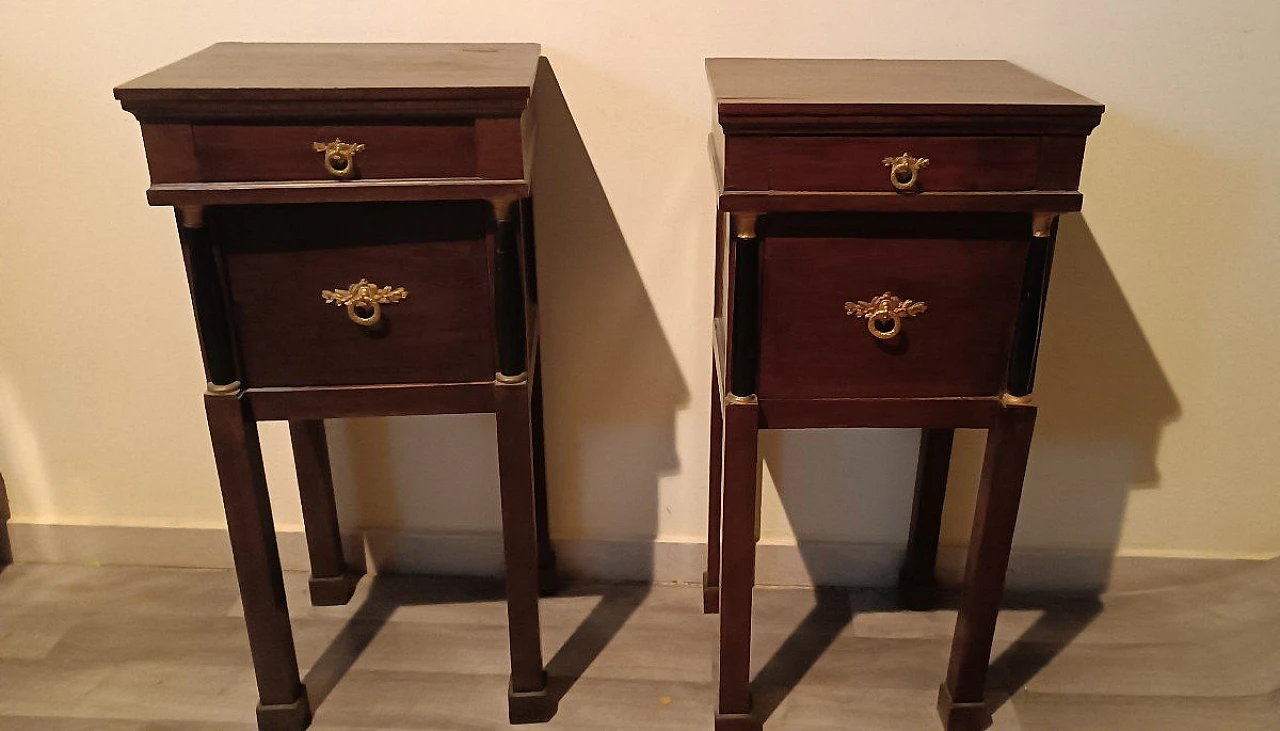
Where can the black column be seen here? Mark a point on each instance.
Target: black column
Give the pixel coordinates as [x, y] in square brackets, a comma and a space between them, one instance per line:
[508, 290]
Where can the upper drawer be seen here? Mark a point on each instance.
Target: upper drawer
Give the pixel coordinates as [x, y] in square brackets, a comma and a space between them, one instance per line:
[919, 164]
[226, 153]
[482, 149]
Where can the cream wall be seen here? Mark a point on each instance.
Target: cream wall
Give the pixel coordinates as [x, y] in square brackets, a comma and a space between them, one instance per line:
[1159, 349]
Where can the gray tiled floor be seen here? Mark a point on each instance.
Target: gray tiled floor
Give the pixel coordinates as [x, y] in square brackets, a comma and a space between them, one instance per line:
[133, 649]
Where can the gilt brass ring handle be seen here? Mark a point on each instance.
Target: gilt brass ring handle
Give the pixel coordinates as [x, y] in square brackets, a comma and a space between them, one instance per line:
[884, 314]
[904, 171]
[364, 300]
[339, 157]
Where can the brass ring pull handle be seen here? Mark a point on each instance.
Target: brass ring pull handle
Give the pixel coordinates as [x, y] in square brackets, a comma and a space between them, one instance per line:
[884, 314]
[364, 300]
[904, 171]
[339, 157]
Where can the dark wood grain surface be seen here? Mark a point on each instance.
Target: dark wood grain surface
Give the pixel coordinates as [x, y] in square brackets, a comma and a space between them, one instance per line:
[273, 403]
[333, 191]
[331, 581]
[967, 269]
[737, 573]
[1004, 464]
[284, 152]
[238, 455]
[932, 469]
[280, 258]
[367, 71]
[875, 84]
[815, 163]
[967, 412]
[885, 202]
[890, 97]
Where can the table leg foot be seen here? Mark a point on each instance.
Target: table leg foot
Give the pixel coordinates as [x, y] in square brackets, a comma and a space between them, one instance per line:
[737, 722]
[530, 706]
[962, 716]
[710, 596]
[294, 716]
[332, 591]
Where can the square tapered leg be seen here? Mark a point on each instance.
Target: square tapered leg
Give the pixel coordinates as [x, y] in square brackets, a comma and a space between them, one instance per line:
[332, 581]
[282, 697]
[529, 700]
[917, 583]
[738, 562]
[1003, 468]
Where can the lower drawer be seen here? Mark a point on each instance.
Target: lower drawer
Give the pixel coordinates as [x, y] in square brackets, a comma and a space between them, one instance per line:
[816, 340]
[435, 325]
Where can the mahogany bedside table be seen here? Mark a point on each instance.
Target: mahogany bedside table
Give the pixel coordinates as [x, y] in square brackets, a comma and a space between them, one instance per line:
[885, 234]
[358, 238]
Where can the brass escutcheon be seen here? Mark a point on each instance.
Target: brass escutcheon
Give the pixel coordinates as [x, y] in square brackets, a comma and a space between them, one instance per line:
[364, 296]
[908, 166]
[884, 313]
[339, 157]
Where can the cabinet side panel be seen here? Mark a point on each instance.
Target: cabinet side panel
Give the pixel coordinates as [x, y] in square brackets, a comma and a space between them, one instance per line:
[171, 153]
[1060, 161]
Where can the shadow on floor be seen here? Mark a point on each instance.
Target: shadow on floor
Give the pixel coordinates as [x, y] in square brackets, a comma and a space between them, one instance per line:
[389, 593]
[832, 612]
[617, 604]
[1062, 619]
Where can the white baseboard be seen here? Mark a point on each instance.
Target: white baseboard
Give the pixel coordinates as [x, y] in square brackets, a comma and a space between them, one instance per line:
[812, 562]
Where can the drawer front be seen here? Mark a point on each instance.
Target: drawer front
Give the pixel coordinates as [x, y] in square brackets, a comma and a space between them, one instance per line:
[281, 259]
[227, 153]
[859, 163]
[966, 271]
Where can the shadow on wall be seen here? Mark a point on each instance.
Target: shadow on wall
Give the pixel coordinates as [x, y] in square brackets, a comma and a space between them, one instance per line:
[1104, 402]
[611, 385]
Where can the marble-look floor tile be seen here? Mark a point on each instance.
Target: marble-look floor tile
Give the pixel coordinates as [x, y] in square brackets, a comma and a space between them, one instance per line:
[1040, 712]
[119, 589]
[28, 723]
[29, 634]
[136, 649]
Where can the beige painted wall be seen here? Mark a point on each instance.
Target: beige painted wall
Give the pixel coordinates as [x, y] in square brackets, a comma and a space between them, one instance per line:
[1159, 350]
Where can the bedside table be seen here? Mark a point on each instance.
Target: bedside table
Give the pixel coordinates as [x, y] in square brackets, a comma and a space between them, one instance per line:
[357, 229]
[885, 234]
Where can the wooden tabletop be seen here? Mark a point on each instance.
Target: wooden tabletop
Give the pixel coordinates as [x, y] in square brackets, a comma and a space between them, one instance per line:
[347, 71]
[884, 86]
